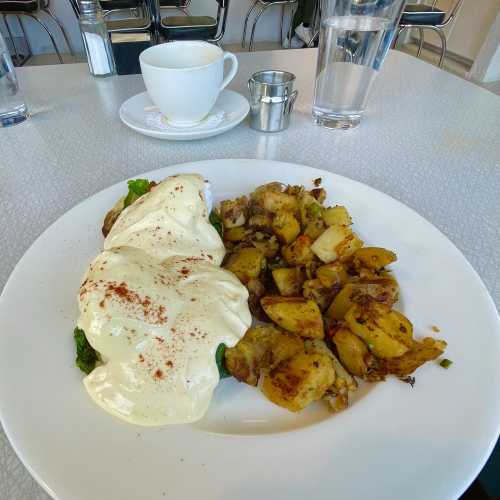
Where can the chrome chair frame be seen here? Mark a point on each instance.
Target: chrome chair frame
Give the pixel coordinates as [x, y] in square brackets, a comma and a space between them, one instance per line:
[222, 9]
[438, 28]
[263, 7]
[43, 6]
[184, 8]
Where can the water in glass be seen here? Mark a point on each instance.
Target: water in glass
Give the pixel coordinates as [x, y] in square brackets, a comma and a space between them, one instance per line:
[12, 107]
[355, 37]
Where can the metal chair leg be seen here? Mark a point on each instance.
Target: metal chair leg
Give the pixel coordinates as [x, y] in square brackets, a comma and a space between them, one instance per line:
[313, 40]
[443, 46]
[18, 58]
[281, 26]
[249, 13]
[28, 44]
[44, 26]
[421, 41]
[256, 20]
[61, 27]
[398, 32]
[290, 26]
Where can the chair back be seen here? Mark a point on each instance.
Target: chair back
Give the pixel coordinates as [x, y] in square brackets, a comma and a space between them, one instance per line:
[453, 12]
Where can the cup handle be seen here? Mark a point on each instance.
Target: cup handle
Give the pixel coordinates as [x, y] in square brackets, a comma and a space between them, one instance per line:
[232, 71]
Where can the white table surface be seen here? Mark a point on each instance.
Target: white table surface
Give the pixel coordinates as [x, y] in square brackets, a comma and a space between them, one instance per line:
[429, 139]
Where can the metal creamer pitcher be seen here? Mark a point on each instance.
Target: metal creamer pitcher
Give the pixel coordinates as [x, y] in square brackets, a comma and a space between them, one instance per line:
[271, 100]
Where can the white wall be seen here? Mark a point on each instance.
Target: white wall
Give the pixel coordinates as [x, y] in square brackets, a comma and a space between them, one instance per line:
[267, 29]
[471, 26]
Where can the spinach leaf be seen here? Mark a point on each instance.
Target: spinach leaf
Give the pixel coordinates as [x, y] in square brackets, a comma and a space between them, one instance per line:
[220, 360]
[136, 189]
[86, 355]
[216, 221]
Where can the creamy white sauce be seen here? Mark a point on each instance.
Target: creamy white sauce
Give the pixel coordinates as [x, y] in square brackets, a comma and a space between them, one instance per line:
[155, 304]
[172, 219]
[158, 326]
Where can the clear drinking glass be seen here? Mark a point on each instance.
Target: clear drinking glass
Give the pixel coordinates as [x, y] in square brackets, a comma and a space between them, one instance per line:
[13, 109]
[355, 37]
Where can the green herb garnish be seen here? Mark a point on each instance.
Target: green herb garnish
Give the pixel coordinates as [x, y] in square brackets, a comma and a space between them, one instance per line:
[216, 221]
[445, 363]
[220, 360]
[86, 355]
[314, 210]
[136, 189]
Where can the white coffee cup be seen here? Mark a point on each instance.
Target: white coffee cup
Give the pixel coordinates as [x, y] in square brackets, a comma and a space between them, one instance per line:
[184, 78]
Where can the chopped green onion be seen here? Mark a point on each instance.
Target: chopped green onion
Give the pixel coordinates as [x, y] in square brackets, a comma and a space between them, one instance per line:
[446, 363]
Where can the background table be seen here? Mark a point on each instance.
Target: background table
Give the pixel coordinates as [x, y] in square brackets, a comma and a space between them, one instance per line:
[428, 139]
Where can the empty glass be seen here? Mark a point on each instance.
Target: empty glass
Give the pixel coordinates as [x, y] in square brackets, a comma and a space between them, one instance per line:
[355, 36]
[13, 109]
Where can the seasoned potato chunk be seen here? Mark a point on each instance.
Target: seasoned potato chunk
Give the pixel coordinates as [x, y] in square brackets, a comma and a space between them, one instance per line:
[286, 227]
[276, 201]
[387, 333]
[262, 347]
[288, 280]
[246, 263]
[298, 381]
[234, 212]
[421, 352]
[314, 290]
[314, 229]
[337, 215]
[299, 252]
[332, 274]
[337, 242]
[261, 221]
[268, 245]
[295, 314]
[352, 351]
[235, 233]
[384, 290]
[373, 258]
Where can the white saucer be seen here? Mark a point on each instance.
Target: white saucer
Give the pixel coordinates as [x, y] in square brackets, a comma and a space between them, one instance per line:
[140, 114]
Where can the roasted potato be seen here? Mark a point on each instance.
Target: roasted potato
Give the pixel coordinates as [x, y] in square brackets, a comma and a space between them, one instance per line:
[295, 314]
[421, 352]
[337, 242]
[310, 209]
[299, 252]
[235, 233]
[262, 347]
[373, 258]
[288, 280]
[337, 395]
[314, 229]
[298, 381]
[286, 227]
[352, 351]
[246, 263]
[261, 221]
[333, 274]
[314, 290]
[384, 290]
[275, 201]
[267, 244]
[234, 212]
[337, 215]
[387, 333]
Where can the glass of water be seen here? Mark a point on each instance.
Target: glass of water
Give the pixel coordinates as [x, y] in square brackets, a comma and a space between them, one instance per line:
[13, 109]
[355, 37]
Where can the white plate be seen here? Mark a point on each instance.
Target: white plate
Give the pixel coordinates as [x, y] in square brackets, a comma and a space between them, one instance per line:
[394, 442]
[139, 114]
